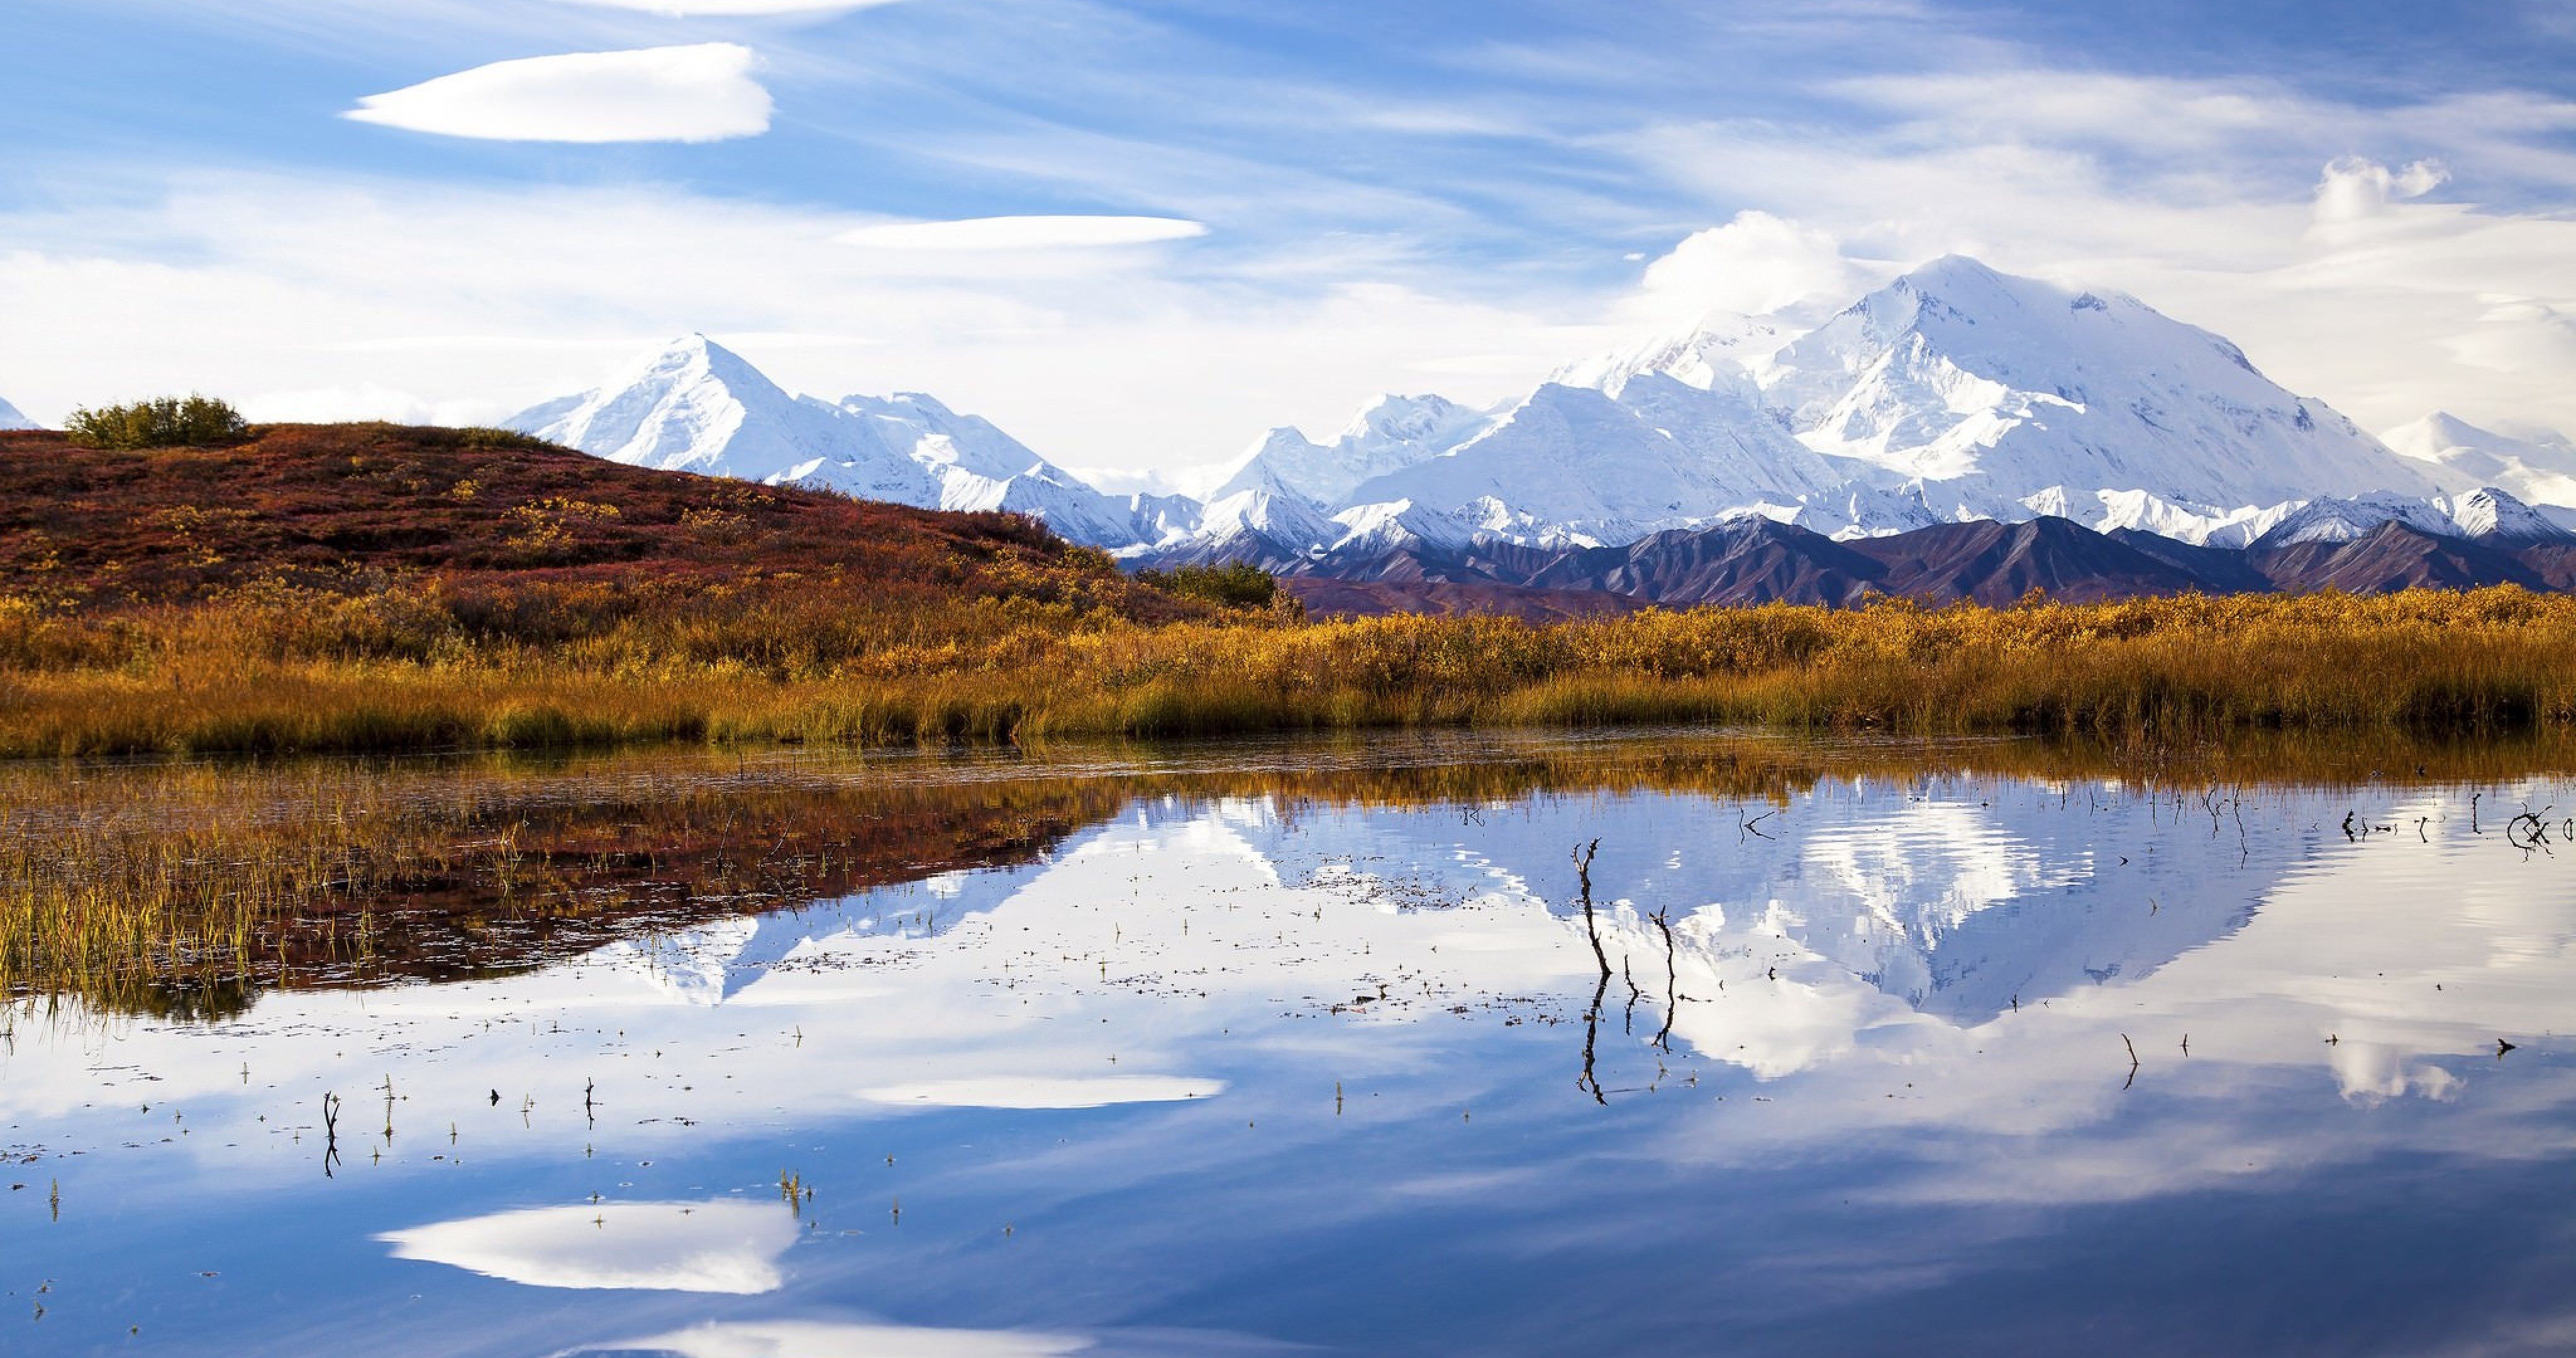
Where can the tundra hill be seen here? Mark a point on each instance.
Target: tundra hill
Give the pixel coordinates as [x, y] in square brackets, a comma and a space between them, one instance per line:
[349, 509]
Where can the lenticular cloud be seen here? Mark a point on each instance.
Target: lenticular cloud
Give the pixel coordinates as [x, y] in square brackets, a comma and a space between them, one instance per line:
[697, 93]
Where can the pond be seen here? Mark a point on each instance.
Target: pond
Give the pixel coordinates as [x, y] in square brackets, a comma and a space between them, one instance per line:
[1859, 1048]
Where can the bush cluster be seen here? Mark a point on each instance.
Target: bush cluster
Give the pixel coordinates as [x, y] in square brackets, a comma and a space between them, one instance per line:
[1235, 584]
[162, 422]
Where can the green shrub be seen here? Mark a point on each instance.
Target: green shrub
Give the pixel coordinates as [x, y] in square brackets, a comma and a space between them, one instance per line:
[483, 438]
[164, 422]
[1236, 584]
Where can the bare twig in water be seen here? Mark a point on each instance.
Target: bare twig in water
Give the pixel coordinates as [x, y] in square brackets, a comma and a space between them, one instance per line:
[1592, 930]
[1672, 980]
[2133, 1060]
[330, 1135]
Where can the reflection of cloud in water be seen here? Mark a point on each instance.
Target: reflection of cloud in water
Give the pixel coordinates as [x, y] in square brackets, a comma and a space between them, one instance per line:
[829, 1339]
[720, 1246]
[1863, 961]
[1044, 1092]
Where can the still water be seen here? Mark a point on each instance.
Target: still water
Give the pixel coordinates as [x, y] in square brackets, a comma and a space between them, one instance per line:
[1914, 1050]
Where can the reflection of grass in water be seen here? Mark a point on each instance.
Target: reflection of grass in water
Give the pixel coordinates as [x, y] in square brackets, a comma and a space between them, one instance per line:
[175, 890]
[405, 671]
[183, 890]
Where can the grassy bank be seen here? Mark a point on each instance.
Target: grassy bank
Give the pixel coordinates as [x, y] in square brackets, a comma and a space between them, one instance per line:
[375, 588]
[411, 668]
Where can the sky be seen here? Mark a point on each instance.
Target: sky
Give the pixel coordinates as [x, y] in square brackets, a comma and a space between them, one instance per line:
[1139, 233]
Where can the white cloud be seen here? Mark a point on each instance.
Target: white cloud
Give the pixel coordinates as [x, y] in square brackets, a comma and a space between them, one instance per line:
[1022, 233]
[365, 401]
[2347, 283]
[687, 8]
[702, 92]
[2526, 338]
[2354, 189]
[494, 299]
[1755, 264]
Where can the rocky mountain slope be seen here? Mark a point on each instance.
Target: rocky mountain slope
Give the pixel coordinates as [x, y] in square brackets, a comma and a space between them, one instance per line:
[1757, 561]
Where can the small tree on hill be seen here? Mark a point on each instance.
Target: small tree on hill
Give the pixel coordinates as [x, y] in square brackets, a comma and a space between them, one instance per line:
[164, 422]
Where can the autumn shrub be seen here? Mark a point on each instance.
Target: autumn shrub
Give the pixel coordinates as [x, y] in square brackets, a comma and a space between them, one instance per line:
[1234, 584]
[161, 422]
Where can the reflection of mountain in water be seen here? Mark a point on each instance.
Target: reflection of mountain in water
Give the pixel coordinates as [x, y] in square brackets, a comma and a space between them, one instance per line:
[1958, 906]
[1953, 904]
[713, 963]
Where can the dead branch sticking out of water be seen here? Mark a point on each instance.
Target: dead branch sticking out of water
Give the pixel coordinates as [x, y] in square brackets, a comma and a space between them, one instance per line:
[330, 1135]
[1588, 1081]
[1672, 980]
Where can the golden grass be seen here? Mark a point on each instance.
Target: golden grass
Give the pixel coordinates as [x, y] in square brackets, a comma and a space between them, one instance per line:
[392, 672]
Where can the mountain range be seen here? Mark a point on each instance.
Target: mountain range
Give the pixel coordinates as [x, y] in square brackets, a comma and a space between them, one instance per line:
[1953, 395]
[696, 406]
[1955, 398]
[1757, 560]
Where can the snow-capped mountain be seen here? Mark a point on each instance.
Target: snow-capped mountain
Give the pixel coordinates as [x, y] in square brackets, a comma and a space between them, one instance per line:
[1722, 344]
[1391, 433]
[697, 406]
[1991, 389]
[1583, 464]
[2487, 514]
[1268, 527]
[2330, 518]
[2462, 456]
[1953, 393]
[11, 419]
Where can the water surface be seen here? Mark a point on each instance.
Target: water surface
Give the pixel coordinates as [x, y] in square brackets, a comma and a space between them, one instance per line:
[1972, 1048]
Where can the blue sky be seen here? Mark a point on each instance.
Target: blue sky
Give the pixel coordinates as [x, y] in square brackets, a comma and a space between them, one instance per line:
[2378, 200]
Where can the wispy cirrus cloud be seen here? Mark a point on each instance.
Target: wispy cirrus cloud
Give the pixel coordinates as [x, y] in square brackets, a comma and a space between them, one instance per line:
[1022, 233]
[702, 92]
[696, 8]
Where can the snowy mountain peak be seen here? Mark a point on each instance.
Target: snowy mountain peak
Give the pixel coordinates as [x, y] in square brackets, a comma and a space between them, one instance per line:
[1389, 433]
[2332, 518]
[1411, 419]
[11, 419]
[2492, 515]
[1717, 350]
[1991, 388]
[2461, 456]
[694, 405]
